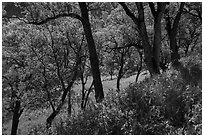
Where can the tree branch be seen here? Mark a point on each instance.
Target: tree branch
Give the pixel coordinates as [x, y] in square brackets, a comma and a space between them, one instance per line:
[199, 14]
[178, 16]
[140, 11]
[19, 63]
[136, 45]
[87, 95]
[195, 15]
[14, 17]
[46, 89]
[5, 77]
[151, 5]
[129, 13]
[73, 15]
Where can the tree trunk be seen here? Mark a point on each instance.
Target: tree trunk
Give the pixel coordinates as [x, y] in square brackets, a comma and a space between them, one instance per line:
[52, 116]
[172, 32]
[120, 72]
[139, 68]
[150, 61]
[99, 95]
[82, 91]
[69, 104]
[56, 112]
[118, 79]
[148, 51]
[16, 115]
[111, 74]
[65, 92]
[157, 45]
[174, 50]
[157, 33]
[87, 95]
[151, 54]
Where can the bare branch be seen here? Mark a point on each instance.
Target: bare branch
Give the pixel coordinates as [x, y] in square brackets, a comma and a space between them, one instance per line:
[5, 77]
[19, 63]
[192, 14]
[129, 13]
[136, 45]
[14, 17]
[140, 11]
[73, 15]
[46, 89]
[178, 16]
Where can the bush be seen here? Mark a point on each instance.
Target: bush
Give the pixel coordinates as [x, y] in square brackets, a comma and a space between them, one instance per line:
[165, 104]
[104, 119]
[191, 69]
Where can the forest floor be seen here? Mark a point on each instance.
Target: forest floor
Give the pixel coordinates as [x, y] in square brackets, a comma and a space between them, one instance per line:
[31, 118]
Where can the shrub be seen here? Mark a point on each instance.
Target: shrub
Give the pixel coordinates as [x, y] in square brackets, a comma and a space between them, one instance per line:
[191, 69]
[165, 104]
[104, 119]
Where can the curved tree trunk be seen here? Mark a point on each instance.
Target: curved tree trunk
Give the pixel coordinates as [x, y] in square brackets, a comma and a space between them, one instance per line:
[65, 92]
[56, 112]
[99, 95]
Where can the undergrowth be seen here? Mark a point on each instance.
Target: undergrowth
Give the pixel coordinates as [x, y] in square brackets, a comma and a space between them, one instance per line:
[167, 104]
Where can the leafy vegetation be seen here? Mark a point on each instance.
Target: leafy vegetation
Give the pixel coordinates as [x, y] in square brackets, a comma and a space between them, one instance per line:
[161, 105]
[102, 68]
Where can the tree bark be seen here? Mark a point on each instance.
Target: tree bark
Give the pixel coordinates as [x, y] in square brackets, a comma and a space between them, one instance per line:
[69, 110]
[53, 115]
[16, 115]
[139, 68]
[172, 33]
[87, 95]
[148, 50]
[65, 92]
[157, 14]
[120, 72]
[56, 112]
[99, 95]
[150, 61]
[83, 91]
[174, 49]
[111, 74]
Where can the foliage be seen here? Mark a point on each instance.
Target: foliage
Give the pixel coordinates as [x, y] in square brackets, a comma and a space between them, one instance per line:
[38, 63]
[165, 104]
